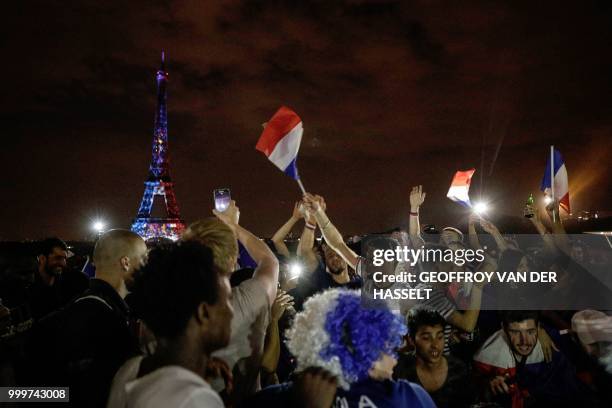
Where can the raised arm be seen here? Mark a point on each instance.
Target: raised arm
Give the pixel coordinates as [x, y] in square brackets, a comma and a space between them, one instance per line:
[330, 233]
[271, 353]
[489, 227]
[472, 234]
[558, 230]
[539, 226]
[305, 249]
[466, 320]
[279, 237]
[417, 197]
[267, 264]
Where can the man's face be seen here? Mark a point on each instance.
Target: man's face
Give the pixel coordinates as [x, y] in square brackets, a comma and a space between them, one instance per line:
[334, 262]
[55, 262]
[429, 343]
[449, 237]
[222, 312]
[523, 336]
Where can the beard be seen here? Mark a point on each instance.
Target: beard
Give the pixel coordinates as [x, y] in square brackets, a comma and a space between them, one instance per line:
[335, 269]
[54, 271]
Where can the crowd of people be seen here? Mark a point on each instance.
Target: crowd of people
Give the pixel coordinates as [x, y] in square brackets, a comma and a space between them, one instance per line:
[222, 318]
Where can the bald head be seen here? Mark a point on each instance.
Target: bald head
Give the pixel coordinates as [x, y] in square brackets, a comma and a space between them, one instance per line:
[119, 252]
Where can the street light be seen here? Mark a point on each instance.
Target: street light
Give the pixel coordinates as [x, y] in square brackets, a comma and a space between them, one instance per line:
[98, 226]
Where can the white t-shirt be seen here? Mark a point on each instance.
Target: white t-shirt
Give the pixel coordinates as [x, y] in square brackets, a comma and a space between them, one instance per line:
[170, 386]
[244, 352]
[249, 324]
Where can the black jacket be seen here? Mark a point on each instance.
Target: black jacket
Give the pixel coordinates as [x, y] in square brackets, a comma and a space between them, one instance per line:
[86, 342]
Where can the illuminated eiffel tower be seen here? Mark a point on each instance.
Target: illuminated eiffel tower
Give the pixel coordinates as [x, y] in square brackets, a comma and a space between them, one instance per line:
[159, 185]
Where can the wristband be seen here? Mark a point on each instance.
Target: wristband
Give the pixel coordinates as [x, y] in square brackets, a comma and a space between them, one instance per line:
[414, 214]
[310, 226]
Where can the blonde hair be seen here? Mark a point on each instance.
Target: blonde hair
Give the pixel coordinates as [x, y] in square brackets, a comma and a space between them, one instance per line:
[217, 236]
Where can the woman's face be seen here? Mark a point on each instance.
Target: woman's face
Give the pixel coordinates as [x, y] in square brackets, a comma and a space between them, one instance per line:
[382, 369]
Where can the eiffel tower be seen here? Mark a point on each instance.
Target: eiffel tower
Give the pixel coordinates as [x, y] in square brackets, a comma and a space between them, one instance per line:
[159, 185]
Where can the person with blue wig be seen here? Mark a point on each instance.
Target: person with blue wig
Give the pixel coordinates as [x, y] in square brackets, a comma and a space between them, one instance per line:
[356, 345]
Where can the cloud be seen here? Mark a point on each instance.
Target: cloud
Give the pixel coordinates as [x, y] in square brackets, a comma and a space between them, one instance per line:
[391, 93]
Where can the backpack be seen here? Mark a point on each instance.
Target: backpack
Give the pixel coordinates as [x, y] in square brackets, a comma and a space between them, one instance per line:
[44, 364]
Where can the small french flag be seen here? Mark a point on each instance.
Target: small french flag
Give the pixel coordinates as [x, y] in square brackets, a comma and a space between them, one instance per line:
[561, 185]
[460, 187]
[280, 140]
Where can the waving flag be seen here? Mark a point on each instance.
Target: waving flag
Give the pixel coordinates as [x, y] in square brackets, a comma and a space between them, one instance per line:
[560, 189]
[460, 187]
[280, 140]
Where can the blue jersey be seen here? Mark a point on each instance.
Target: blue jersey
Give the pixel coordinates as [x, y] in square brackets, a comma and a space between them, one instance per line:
[371, 393]
[364, 394]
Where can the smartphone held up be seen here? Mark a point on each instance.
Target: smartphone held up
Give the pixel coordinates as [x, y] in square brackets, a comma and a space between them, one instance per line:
[222, 199]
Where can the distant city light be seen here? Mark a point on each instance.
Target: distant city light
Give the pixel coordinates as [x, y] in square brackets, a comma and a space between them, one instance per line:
[481, 208]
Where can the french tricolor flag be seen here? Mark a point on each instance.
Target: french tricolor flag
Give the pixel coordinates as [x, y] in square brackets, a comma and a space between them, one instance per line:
[558, 172]
[280, 140]
[460, 187]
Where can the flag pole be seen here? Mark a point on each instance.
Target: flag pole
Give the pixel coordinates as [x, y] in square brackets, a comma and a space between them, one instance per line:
[299, 181]
[552, 179]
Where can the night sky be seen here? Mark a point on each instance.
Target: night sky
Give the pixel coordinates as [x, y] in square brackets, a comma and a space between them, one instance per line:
[392, 94]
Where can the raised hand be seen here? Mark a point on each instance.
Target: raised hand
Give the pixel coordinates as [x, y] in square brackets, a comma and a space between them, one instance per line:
[322, 202]
[417, 197]
[313, 202]
[281, 303]
[298, 211]
[553, 210]
[488, 226]
[498, 385]
[230, 216]
[474, 218]
[309, 216]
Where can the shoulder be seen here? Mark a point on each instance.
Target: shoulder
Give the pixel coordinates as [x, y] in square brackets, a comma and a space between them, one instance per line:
[414, 394]
[129, 370]
[203, 397]
[250, 303]
[454, 362]
[273, 396]
[406, 367]
[126, 373]
[91, 305]
[495, 352]
[250, 294]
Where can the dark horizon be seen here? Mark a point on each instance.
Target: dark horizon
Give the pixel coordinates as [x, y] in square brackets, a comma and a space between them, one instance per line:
[391, 95]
